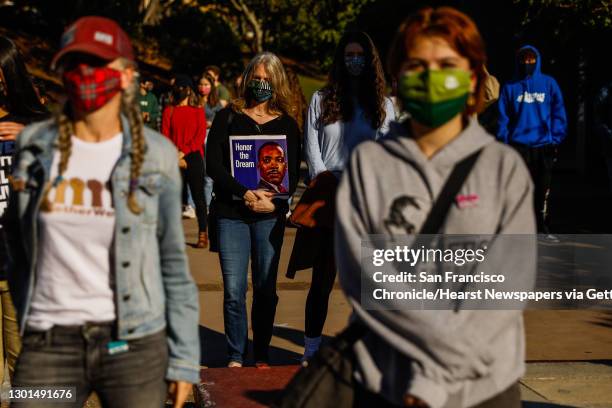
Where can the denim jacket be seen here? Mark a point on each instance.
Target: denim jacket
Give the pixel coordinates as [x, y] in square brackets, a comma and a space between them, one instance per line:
[153, 286]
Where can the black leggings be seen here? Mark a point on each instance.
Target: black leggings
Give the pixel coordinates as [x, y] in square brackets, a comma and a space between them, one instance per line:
[323, 278]
[540, 162]
[193, 176]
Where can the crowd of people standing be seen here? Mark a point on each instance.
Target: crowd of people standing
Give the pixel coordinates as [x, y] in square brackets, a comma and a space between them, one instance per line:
[94, 248]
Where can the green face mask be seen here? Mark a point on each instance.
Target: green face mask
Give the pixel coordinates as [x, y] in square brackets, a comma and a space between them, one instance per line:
[435, 97]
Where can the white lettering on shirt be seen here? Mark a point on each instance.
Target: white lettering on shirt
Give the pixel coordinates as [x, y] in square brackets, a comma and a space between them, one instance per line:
[531, 97]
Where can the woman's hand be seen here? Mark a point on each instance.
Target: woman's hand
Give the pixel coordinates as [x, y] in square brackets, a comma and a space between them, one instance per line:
[412, 401]
[178, 392]
[10, 130]
[264, 202]
[265, 193]
[249, 197]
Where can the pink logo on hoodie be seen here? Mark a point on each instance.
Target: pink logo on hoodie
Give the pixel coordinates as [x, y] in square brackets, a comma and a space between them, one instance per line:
[467, 200]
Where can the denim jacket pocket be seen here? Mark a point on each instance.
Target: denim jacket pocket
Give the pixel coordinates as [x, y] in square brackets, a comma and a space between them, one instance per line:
[149, 187]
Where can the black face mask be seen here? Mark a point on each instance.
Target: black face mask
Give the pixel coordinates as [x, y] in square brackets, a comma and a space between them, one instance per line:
[527, 69]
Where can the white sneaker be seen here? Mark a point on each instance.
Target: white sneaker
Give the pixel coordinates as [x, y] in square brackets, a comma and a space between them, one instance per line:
[550, 238]
[189, 212]
[234, 364]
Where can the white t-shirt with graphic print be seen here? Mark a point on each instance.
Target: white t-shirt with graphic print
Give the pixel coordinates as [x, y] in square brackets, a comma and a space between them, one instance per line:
[73, 282]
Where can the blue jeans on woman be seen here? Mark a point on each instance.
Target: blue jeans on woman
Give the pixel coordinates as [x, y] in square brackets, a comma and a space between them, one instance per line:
[262, 241]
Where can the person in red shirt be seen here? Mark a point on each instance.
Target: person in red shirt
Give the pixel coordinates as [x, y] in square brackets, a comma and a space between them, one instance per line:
[184, 123]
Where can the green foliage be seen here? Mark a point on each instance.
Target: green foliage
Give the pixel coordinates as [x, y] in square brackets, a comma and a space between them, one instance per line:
[304, 29]
[192, 40]
[310, 85]
[57, 14]
[593, 14]
[310, 29]
[213, 30]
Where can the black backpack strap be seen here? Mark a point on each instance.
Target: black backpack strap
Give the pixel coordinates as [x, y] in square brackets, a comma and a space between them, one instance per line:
[439, 211]
[435, 219]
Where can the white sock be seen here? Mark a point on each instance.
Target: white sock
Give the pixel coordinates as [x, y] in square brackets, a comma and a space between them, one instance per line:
[311, 346]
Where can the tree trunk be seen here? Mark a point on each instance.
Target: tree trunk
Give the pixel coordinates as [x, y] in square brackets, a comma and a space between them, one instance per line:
[252, 20]
[258, 39]
[153, 11]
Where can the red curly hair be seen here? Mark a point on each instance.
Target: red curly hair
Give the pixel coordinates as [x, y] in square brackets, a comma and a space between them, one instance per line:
[458, 30]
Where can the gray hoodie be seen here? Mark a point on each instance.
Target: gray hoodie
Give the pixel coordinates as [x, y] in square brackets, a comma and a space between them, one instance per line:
[447, 358]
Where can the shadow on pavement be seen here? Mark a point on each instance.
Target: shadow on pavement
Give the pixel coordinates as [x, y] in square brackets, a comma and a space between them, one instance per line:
[601, 362]
[293, 335]
[244, 387]
[604, 321]
[265, 398]
[214, 351]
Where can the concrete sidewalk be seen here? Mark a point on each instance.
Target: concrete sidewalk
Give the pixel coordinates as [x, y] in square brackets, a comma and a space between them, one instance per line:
[568, 384]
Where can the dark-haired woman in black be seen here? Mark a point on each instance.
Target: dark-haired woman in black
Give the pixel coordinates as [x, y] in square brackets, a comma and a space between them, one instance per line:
[350, 109]
[19, 106]
[19, 101]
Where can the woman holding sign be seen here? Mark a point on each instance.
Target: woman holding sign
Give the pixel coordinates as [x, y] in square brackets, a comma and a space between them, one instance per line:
[350, 109]
[253, 158]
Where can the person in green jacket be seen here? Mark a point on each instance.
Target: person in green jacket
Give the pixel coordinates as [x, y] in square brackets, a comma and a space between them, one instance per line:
[222, 91]
[149, 107]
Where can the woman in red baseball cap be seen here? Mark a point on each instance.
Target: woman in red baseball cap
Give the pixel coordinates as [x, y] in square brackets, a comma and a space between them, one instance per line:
[98, 270]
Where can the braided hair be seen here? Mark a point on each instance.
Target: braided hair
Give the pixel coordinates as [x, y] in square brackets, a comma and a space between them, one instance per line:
[131, 109]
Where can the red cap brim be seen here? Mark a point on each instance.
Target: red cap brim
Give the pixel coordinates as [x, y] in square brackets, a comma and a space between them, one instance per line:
[93, 49]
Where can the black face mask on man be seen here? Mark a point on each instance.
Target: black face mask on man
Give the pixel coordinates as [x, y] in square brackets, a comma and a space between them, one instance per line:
[527, 69]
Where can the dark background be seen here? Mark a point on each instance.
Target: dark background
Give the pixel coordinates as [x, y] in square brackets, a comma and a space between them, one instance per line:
[575, 53]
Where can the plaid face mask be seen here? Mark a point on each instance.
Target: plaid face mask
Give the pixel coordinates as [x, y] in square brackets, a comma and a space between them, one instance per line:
[91, 88]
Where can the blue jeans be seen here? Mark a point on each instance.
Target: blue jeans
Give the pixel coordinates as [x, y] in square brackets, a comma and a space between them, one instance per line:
[262, 241]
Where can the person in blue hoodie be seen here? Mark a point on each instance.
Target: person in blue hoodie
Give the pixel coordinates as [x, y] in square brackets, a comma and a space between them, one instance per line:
[532, 119]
